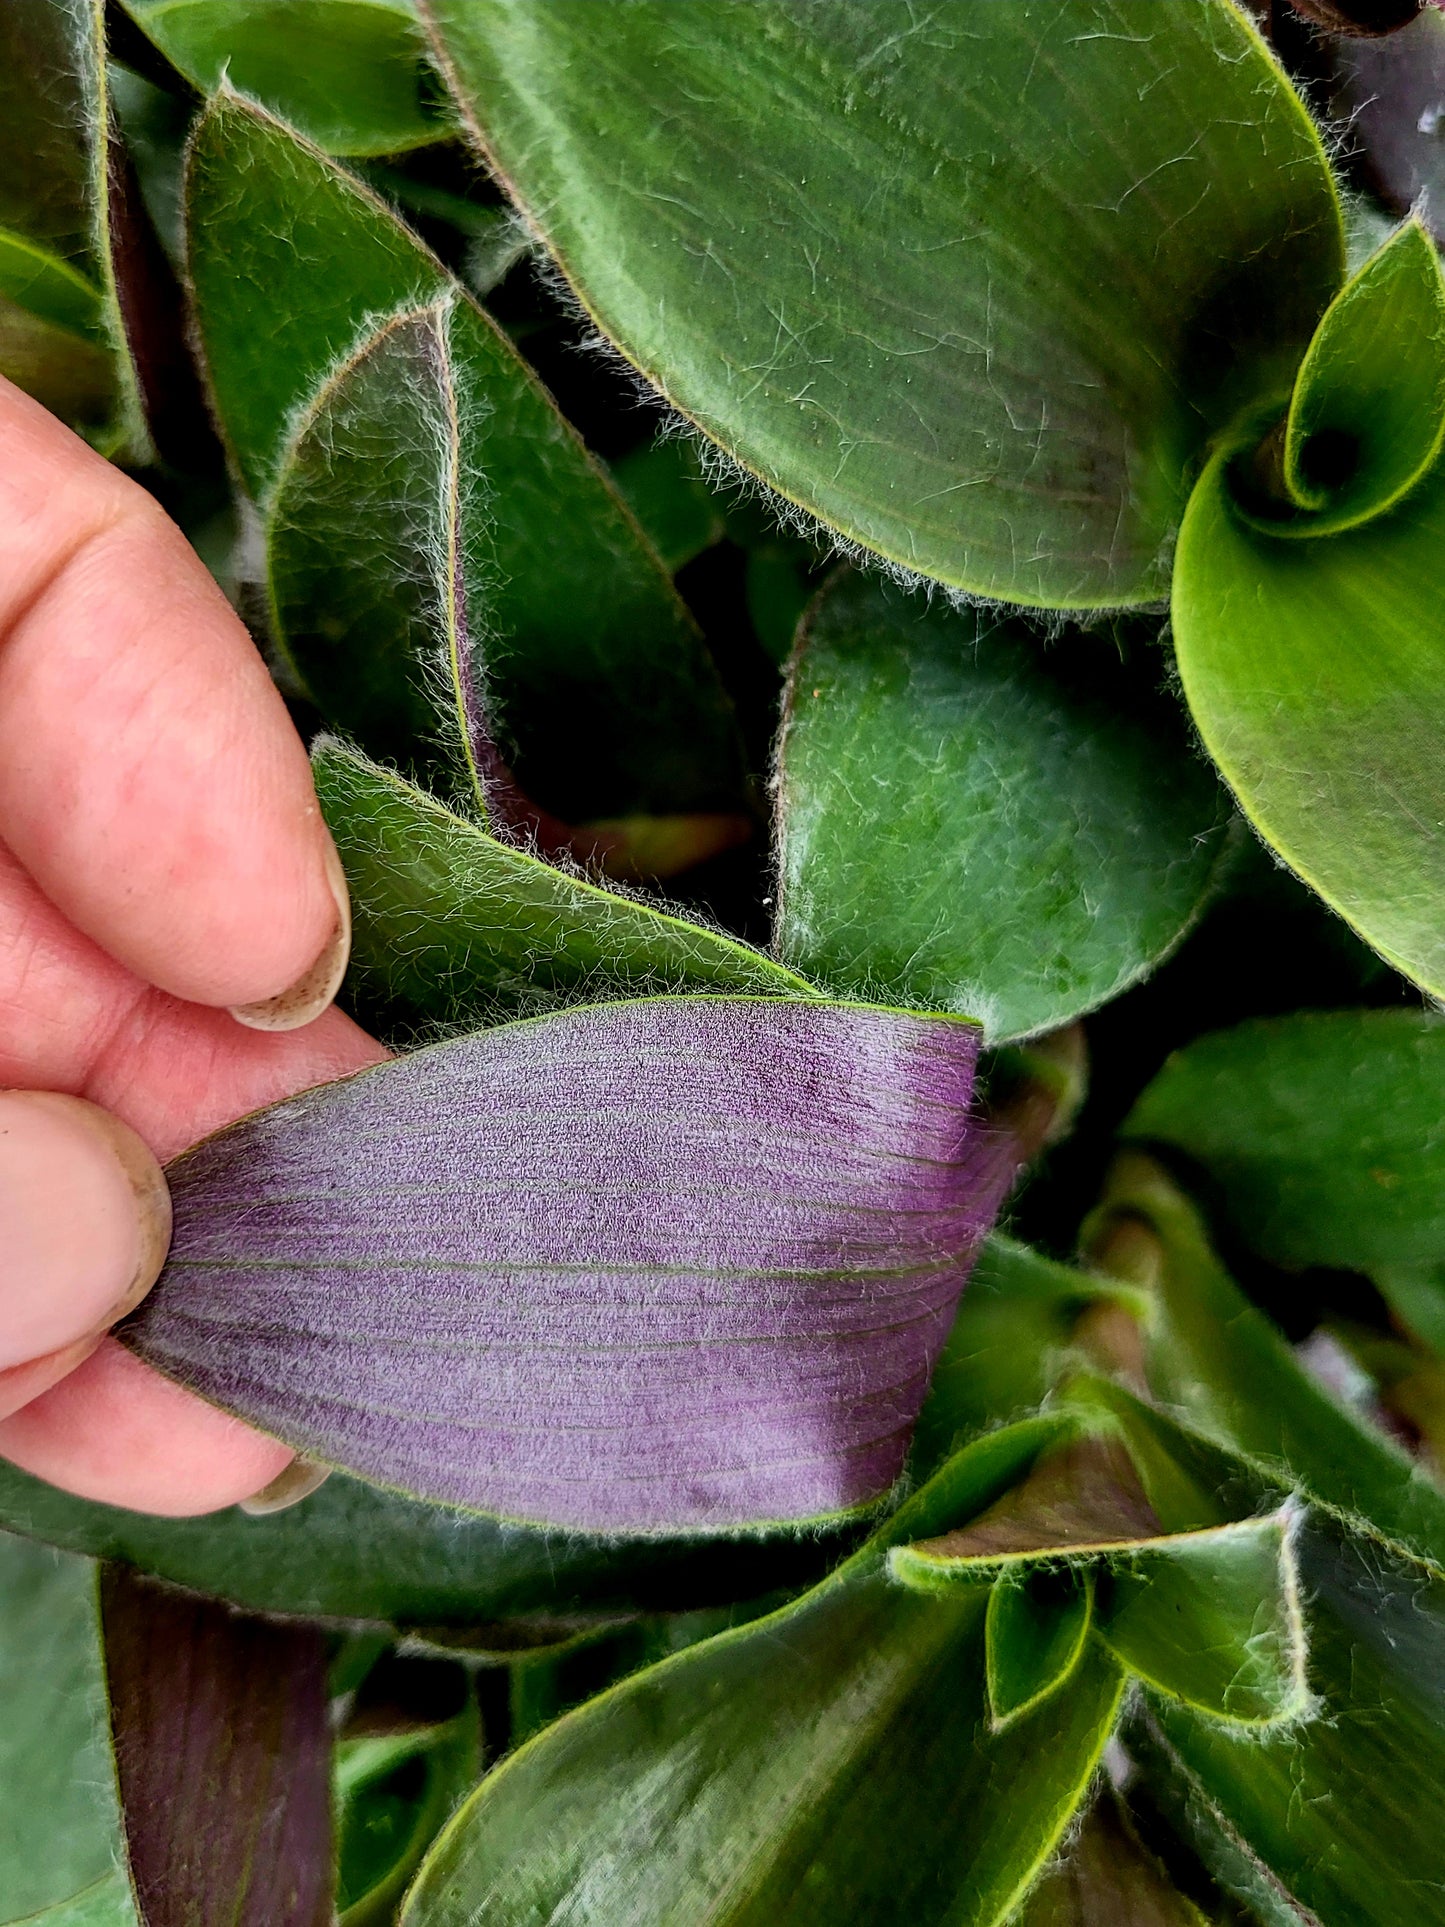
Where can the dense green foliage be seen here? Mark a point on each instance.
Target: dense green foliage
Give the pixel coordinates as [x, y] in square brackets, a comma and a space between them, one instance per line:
[815, 503]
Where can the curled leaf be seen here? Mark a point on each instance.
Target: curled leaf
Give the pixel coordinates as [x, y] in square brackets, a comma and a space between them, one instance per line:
[1034, 1634]
[434, 527]
[682, 1263]
[1204, 1612]
[1367, 413]
[1311, 645]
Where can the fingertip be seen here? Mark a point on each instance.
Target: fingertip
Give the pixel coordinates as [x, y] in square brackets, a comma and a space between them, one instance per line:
[116, 1431]
[303, 1001]
[87, 1219]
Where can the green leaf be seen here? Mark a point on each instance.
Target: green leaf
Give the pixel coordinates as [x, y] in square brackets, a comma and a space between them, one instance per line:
[393, 1792]
[663, 485]
[1340, 1821]
[1367, 415]
[1325, 1132]
[1201, 1604]
[49, 288]
[452, 927]
[61, 334]
[1008, 1345]
[379, 546]
[594, 671]
[353, 1552]
[350, 73]
[969, 825]
[934, 276]
[292, 264]
[1213, 1619]
[1034, 1635]
[55, 1757]
[1217, 1360]
[830, 1761]
[1331, 746]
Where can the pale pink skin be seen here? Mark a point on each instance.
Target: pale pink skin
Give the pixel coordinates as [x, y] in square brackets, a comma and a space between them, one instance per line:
[161, 859]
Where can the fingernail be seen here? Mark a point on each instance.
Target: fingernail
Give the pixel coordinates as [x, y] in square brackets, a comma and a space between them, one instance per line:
[300, 1479]
[87, 1223]
[314, 990]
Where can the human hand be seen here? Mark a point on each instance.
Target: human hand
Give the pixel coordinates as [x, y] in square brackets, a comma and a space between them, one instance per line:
[164, 872]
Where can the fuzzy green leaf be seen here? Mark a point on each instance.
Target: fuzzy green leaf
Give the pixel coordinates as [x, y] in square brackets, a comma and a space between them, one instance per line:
[379, 547]
[1034, 1635]
[936, 276]
[453, 927]
[350, 73]
[61, 335]
[292, 264]
[1367, 414]
[1008, 1344]
[1325, 1132]
[393, 1792]
[1311, 643]
[1201, 1604]
[594, 671]
[1213, 1619]
[969, 825]
[350, 1551]
[830, 1761]
[1339, 1822]
[1216, 1359]
[60, 1826]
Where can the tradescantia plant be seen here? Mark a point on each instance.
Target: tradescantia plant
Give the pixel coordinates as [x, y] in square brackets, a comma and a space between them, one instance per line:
[818, 544]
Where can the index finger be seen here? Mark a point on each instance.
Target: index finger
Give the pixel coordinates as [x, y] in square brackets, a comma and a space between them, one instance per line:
[150, 779]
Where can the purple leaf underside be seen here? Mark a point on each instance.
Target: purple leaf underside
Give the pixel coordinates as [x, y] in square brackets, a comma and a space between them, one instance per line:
[223, 1754]
[684, 1263]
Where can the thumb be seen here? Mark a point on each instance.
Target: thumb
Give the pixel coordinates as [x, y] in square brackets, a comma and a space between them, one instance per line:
[85, 1221]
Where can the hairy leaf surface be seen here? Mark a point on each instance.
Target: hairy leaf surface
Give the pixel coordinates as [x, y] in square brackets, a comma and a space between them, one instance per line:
[350, 73]
[831, 1761]
[1310, 639]
[452, 926]
[222, 1750]
[677, 1263]
[432, 519]
[61, 334]
[350, 1551]
[1214, 1357]
[971, 284]
[1339, 1822]
[1200, 1604]
[971, 825]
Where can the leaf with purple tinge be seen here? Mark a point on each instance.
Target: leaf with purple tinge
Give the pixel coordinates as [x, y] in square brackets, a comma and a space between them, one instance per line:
[223, 1754]
[681, 1263]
